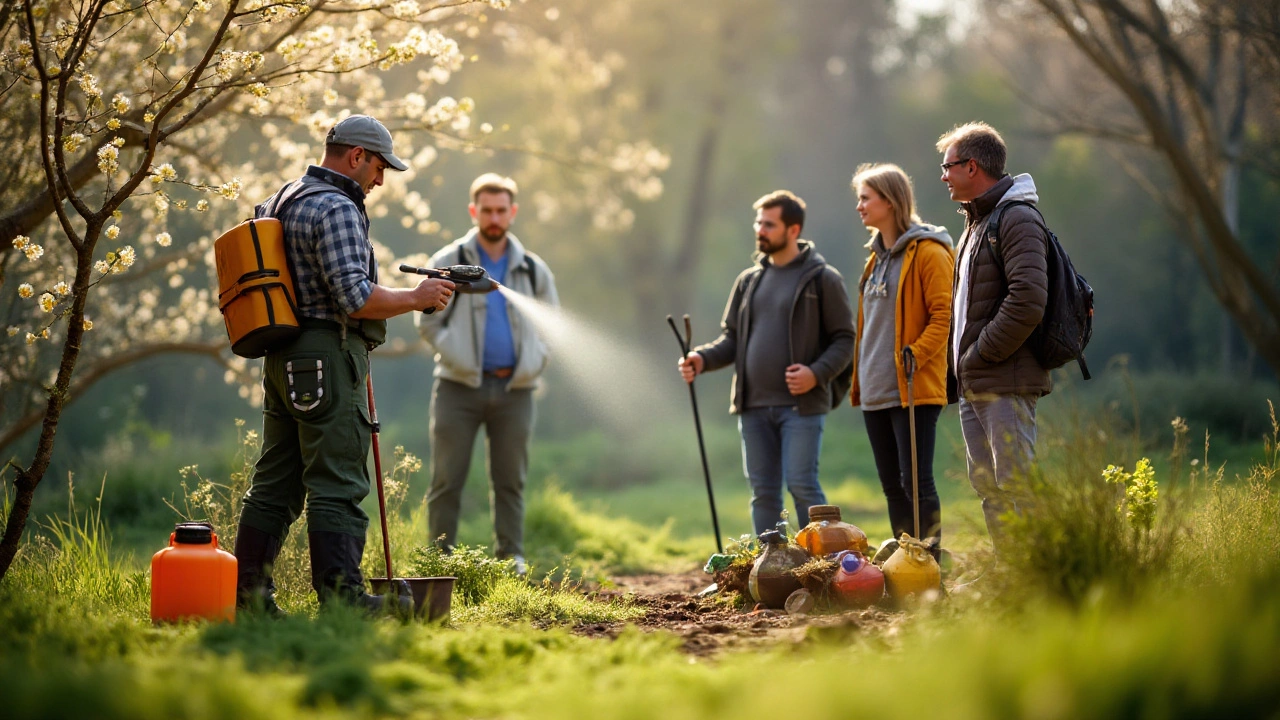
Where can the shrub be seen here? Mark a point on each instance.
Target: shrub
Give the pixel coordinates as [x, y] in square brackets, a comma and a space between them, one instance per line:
[476, 571]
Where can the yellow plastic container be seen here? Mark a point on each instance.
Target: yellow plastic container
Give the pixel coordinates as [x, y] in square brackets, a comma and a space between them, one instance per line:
[826, 533]
[192, 578]
[911, 570]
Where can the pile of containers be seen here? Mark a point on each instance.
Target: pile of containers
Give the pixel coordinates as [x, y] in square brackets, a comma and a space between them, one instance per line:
[857, 582]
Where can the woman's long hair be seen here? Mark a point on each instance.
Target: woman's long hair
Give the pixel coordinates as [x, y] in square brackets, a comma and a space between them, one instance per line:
[891, 183]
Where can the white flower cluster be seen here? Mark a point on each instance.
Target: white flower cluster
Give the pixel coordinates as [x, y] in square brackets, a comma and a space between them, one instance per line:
[121, 103]
[73, 142]
[406, 9]
[32, 250]
[164, 173]
[230, 189]
[455, 112]
[164, 239]
[89, 84]
[108, 159]
[233, 62]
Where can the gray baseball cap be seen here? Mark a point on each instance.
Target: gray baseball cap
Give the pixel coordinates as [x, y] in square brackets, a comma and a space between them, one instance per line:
[366, 132]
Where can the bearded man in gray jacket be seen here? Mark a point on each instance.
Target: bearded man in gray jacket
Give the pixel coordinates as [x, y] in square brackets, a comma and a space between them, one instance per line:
[489, 359]
[1000, 292]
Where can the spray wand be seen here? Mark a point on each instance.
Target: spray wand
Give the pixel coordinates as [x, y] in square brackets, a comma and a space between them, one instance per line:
[470, 279]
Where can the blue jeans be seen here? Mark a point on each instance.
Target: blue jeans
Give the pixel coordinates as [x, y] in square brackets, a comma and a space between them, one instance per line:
[779, 445]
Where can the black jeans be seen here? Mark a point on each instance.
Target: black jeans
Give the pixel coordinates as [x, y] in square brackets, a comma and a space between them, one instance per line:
[890, 435]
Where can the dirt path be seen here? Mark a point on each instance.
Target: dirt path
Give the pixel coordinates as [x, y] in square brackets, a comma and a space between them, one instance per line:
[709, 625]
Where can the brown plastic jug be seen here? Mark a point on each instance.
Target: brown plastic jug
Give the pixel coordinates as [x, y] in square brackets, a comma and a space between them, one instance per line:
[771, 579]
[192, 578]
[826, 533]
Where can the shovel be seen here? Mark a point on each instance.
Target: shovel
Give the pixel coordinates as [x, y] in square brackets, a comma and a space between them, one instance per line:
[431, 596]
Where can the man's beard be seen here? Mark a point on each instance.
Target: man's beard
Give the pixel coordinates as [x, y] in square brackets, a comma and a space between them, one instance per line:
[765, 246]
[494, 234]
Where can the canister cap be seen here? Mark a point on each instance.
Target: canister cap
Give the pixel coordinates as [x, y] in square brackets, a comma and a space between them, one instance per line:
[193, 533]
[824, 512]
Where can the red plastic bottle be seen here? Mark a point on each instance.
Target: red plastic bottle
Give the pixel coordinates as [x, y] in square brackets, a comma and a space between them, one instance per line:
[192, 578]
[857, 582]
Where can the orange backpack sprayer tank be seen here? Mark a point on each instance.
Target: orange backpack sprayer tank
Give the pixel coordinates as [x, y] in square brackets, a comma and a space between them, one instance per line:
[192, 578]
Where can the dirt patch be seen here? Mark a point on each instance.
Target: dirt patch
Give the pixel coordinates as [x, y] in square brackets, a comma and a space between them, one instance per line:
[709, 625]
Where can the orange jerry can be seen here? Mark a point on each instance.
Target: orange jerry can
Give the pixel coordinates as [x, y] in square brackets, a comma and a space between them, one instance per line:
[192, 578]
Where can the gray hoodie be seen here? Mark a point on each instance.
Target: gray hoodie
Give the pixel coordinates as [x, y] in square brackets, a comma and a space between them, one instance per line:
[877, 349]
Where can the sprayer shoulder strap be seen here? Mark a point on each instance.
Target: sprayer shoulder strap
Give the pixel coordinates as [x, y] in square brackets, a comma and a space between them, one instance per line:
[533, 274]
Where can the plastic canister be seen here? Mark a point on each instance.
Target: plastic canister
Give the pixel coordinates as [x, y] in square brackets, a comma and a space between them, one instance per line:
[911, 570]
[192, 578]
[826, 533]
[857, 582]
[771, 579]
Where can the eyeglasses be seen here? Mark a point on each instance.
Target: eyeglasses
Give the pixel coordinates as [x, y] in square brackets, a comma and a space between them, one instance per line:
[947, 166]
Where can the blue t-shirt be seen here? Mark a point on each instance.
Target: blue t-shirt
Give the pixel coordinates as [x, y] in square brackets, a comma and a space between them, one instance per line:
[499, 347]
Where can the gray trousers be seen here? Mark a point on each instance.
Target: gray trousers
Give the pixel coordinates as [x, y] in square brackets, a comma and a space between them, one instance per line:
[457, 412]
[1000, 441]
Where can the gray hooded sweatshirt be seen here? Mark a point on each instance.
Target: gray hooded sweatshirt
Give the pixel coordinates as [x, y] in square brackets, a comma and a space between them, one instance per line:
[877, 369]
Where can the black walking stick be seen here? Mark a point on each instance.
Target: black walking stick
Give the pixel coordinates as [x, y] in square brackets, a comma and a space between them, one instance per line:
[697, 421]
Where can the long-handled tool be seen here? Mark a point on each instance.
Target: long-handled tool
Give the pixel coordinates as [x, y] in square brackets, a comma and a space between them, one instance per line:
[909, 366]
[377, 469]
[685, 342]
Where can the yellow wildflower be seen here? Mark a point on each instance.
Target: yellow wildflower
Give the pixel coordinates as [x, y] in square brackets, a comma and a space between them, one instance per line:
[113, 232]
[88, 324]
[47, 302]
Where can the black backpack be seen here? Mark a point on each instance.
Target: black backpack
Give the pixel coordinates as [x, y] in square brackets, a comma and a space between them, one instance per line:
[1068, 315]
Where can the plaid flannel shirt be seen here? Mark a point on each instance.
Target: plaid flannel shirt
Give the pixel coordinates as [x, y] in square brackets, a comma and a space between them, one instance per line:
[327, 241]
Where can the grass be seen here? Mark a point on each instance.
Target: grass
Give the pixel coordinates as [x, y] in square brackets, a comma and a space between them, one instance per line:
[1099, 615]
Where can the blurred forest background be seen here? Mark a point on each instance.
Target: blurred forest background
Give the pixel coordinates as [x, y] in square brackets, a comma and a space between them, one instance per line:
[725, 100]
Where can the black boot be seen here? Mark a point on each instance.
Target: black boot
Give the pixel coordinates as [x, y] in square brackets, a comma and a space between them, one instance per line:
[255, 553]
[335, 575]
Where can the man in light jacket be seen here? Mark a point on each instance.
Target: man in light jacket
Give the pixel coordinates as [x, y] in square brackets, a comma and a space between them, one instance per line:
[1001, 290]
[489, 359]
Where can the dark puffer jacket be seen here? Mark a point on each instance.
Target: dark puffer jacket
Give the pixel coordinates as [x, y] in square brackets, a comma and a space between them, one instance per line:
[1001, 310]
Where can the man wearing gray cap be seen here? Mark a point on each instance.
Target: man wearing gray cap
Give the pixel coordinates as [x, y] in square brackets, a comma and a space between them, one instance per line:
[316, 423]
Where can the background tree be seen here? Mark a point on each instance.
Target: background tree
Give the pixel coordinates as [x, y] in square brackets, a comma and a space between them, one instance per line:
[1195, 83]
[133, 124]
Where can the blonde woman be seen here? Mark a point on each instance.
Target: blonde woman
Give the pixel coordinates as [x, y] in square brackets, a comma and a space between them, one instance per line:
[904, 303]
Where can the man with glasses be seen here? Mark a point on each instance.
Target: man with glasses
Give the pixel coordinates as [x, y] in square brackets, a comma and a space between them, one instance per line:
[1000, 291]
[316, 427]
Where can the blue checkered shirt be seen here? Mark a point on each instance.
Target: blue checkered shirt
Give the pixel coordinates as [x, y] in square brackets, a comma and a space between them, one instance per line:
[327, 241]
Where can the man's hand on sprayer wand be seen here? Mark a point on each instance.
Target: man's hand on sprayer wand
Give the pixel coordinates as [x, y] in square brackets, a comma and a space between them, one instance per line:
[433, 293]
[690, 366]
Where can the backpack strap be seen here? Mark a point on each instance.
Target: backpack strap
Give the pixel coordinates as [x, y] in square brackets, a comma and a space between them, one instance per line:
[533, 274]
[992, 236]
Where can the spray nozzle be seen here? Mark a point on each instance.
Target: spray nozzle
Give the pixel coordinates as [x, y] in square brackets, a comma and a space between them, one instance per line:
[471, 279]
